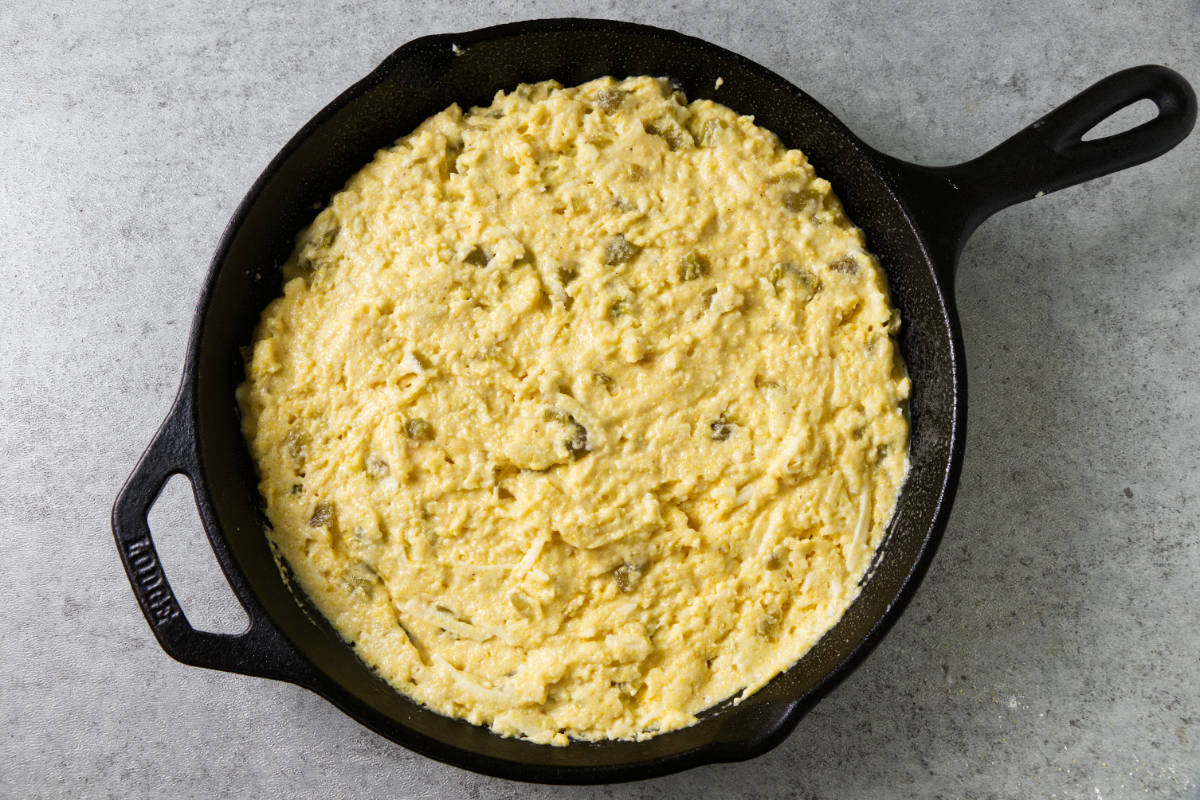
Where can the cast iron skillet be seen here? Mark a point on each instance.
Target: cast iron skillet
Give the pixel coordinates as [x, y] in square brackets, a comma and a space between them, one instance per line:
[916, 220]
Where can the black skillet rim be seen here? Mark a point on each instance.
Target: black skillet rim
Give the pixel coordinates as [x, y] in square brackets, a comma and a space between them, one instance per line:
[715, 751]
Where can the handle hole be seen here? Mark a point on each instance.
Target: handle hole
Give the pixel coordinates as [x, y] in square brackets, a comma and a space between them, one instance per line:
[1124, 119]
[189, 564]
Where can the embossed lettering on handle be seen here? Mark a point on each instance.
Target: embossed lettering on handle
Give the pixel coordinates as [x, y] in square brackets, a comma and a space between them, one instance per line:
[148, 573]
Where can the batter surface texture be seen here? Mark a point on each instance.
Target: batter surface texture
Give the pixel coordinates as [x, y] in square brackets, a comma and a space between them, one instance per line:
[581, 412]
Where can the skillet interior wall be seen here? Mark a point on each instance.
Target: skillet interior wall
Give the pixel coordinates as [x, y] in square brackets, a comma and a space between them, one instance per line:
[389, 106]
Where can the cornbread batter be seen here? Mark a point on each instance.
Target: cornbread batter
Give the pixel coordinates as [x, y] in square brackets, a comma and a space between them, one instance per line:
[581, 412]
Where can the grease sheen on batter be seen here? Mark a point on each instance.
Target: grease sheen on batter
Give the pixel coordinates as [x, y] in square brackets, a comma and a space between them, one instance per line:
[581, 412]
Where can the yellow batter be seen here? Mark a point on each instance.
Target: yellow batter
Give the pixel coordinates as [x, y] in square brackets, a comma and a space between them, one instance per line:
[581, 412]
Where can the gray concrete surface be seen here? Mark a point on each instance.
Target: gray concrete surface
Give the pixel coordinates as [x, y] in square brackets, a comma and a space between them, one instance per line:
[1053, 648]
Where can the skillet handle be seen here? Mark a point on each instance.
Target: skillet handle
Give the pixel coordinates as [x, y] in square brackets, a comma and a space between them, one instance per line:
[1051, 154]
[261, 650]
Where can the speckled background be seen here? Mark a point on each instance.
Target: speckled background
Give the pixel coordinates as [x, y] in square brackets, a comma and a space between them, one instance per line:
[1052, 650]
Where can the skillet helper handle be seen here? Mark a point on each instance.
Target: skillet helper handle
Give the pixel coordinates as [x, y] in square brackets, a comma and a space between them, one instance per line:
[261, 650]
[1051, 154]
